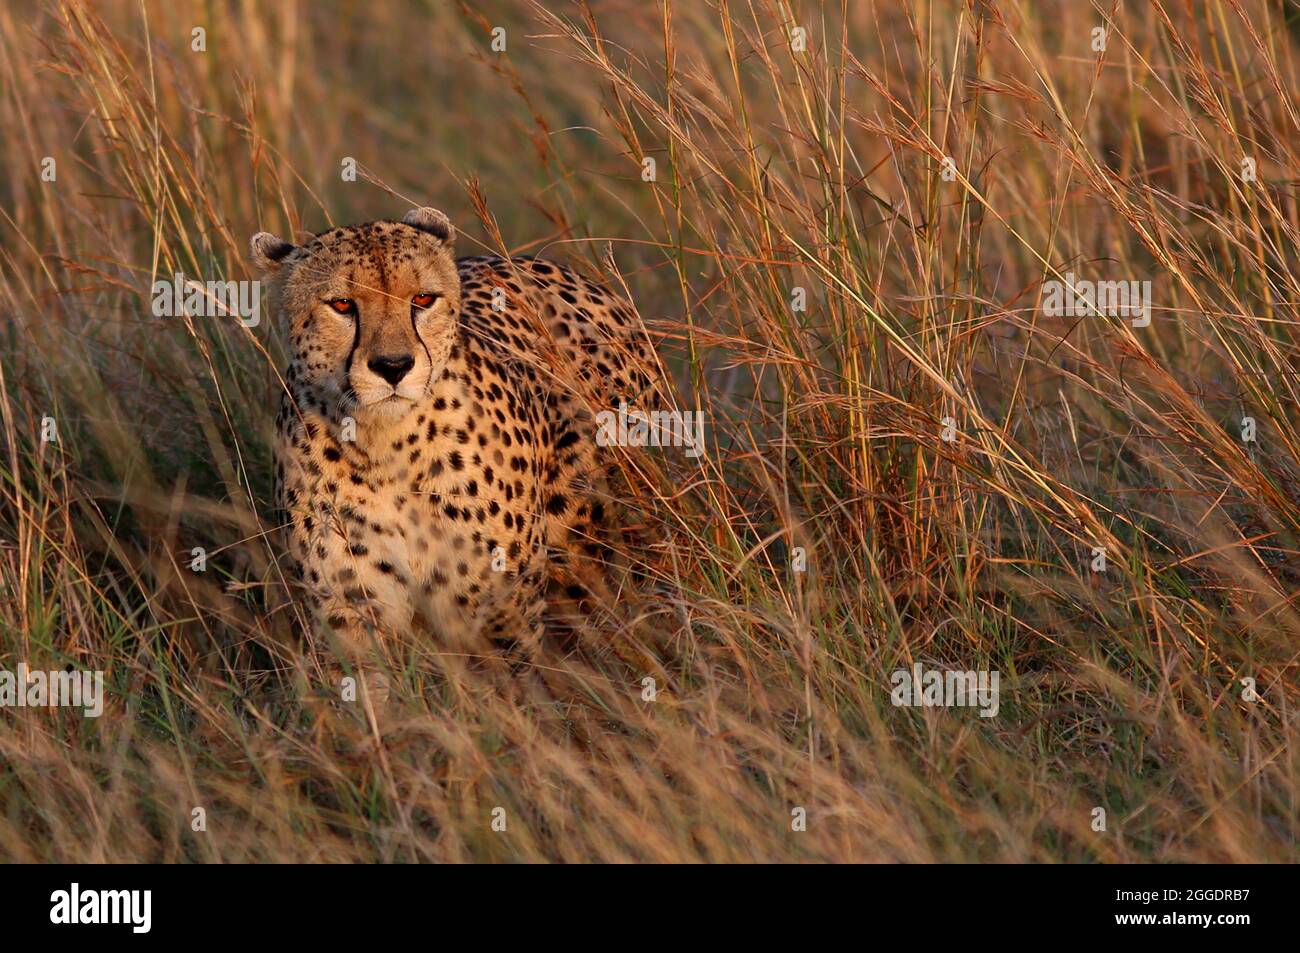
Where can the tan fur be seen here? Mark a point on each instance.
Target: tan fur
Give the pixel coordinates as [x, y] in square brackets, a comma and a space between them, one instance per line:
[474, 480]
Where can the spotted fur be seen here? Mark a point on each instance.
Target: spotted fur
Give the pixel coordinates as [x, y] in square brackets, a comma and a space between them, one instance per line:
[474, 481]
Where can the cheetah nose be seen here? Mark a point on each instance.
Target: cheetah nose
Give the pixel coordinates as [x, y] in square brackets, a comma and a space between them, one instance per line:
[391, 369]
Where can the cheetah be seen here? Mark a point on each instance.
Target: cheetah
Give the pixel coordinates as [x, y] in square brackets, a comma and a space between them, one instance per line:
[436, 459]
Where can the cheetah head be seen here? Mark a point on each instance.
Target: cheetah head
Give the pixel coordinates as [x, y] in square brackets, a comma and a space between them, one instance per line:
[370, 310]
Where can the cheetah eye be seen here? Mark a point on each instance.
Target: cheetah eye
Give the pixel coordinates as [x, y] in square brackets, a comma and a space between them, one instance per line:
[343, 305]
[424, 299]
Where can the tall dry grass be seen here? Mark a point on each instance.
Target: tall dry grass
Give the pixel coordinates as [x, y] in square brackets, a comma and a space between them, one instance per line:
[775, 170]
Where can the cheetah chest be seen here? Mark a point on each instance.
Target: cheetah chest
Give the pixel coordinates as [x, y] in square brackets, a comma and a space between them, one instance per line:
[440, 506]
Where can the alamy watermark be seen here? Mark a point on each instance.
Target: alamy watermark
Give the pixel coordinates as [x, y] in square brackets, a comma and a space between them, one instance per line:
[208, 299]
[1077, 297]
[919, 688]
[75, 905]
[657, 428]
[28, 688]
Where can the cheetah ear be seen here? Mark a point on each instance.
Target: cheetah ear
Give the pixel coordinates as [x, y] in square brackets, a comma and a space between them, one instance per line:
[267, 252]
[432, 221]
